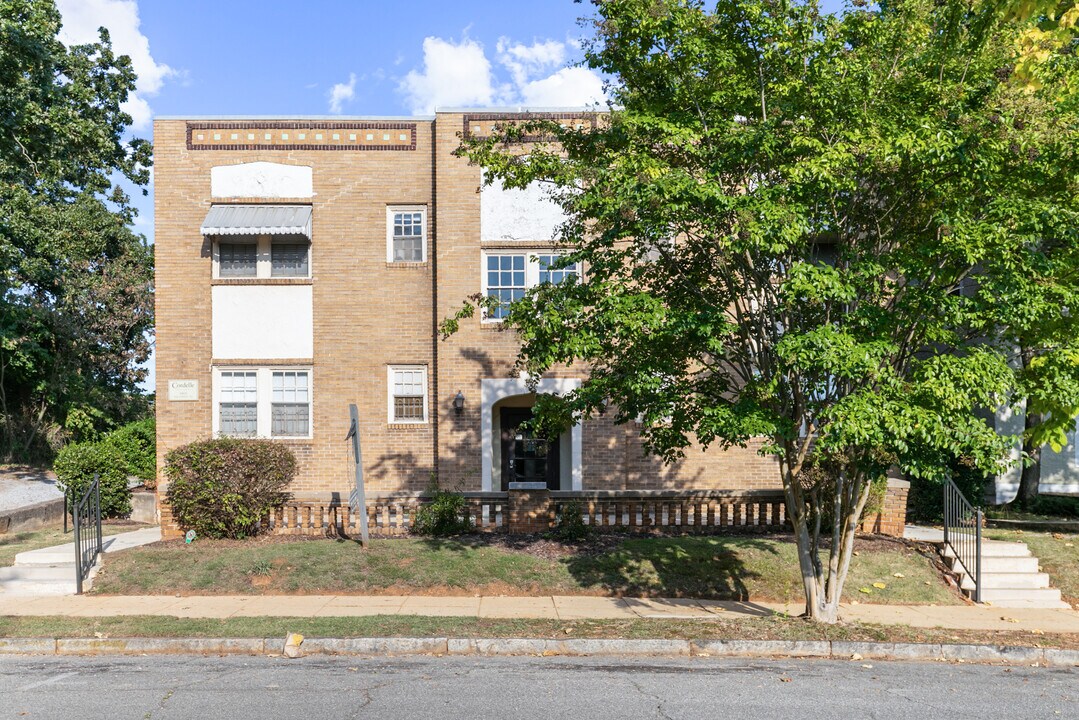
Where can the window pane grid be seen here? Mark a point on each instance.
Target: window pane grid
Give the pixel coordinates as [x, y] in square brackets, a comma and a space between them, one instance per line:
[409, 389]
[290, 387]
[408, 237]
[290, 419]
[546, 275]
[505, 281]
[407, 408]
[239, 419]
[237, 259]
[289, 259]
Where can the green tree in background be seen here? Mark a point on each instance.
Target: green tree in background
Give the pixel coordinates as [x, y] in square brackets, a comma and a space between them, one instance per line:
[810, 228]
[76, 305]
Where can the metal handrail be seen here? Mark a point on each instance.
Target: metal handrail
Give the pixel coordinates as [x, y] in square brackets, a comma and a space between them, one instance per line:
[86, 516]
[963, 533]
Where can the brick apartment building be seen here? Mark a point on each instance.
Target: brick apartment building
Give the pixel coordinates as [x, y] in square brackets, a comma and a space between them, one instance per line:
[304, 264]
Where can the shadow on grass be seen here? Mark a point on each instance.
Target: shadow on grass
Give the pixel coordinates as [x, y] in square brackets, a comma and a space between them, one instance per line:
[712, 567]
[699, 567]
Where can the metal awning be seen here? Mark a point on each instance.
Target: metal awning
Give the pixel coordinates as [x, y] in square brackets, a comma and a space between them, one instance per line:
[258, 220]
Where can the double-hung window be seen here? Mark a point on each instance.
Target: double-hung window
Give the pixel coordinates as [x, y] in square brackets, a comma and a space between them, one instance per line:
[406, 234]
[290, 414]
[263, 402]
[238, 403]
[408, 394]
[508, 274]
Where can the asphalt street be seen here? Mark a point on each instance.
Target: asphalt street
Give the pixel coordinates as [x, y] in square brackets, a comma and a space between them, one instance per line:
[242, 688]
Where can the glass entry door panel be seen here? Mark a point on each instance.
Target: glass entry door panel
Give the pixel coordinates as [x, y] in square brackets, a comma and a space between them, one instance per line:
[525, 457]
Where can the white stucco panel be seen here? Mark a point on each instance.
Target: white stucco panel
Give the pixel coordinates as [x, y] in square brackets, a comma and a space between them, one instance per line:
[261, 180]
[524, 214]
[263, 322]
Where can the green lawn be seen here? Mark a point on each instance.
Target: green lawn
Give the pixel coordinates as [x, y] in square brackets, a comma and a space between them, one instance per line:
[1058, 554]
[728, 568]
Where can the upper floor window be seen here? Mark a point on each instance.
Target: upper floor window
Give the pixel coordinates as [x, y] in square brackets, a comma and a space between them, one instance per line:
[262, 256]
[406, 234]
[508, 274]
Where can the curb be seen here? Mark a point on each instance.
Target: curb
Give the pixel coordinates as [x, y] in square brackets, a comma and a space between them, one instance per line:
[504, 647]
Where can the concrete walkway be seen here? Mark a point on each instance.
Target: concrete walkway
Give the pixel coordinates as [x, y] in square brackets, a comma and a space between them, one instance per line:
[545, 607]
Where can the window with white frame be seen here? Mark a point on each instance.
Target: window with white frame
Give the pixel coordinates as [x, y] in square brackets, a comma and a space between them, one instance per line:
[408, 394]
[507, 275]
[238, 403]
[290, 414]
[263, 402]
[406, 234]
[263, 256]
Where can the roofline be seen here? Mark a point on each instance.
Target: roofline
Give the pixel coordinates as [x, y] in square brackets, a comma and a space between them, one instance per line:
[514, 110]
[507, 110]
[319, 118]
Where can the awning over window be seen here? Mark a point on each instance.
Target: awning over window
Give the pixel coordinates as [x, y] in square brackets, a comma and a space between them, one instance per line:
[258, 220]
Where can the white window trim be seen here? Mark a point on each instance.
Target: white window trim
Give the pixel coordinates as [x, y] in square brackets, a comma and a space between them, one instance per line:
[532, 269]
[393, 209]
[264, 399]
[263, 260]
[390, 369]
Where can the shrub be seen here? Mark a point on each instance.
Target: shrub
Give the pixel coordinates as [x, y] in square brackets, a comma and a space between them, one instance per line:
[137, 442]
[445, 515]
[221, 488]
[75, 466]
[570, 525]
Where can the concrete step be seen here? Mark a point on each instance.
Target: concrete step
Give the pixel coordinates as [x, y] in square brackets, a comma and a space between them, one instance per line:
[1028, 597]
[38, 580]
[109, 543]
[1008, 580]
[40, 572]
[995, 549]
[1001, 564]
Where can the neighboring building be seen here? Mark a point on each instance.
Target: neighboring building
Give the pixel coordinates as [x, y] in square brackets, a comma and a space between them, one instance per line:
[1059, 470]
[304, 264]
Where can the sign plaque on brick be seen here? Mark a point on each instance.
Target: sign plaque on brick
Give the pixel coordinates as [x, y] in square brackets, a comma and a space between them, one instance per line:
[183, 390]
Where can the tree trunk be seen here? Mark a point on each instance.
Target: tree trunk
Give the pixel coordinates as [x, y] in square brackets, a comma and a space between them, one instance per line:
[1032, 473]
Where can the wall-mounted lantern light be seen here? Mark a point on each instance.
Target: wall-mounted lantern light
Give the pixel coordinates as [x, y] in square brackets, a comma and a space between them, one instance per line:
[603, 406]
[459, 403]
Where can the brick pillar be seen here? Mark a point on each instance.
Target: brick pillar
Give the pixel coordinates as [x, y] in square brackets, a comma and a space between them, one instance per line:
[530, 508]
[169, 529]
[892, 518]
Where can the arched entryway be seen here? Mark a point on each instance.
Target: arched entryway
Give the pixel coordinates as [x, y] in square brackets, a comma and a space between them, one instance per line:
[510, 455]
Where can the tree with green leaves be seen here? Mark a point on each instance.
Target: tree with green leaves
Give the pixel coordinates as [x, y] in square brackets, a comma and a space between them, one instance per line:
[809, 228]
[76, 304]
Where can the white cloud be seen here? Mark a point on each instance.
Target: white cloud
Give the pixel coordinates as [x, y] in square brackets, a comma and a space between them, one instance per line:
[454, 74]
[82, 18]
[526, 61]
[342, 92]
[460, 74]
[569, 87]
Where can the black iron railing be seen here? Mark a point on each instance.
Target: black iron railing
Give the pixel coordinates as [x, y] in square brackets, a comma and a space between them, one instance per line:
[86, 519]
[963, 534]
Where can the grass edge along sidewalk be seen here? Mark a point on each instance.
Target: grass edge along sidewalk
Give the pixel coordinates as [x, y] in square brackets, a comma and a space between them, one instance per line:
[776, 628]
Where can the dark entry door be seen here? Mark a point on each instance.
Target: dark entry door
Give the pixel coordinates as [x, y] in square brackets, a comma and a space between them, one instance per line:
[526, 457]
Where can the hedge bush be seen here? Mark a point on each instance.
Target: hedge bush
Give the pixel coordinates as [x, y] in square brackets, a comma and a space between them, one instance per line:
[75, 466]
[137, 442]
[221, 488]
[445, 515]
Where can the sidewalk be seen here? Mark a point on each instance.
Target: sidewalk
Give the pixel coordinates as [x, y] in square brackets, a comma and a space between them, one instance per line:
[544, 607]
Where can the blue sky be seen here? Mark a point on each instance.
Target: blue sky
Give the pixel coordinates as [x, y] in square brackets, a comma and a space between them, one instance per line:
[334, 57]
